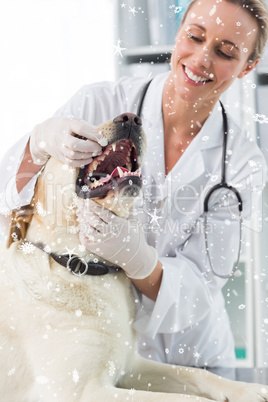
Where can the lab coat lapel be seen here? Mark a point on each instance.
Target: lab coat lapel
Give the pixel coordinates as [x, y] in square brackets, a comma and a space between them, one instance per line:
[202, 154]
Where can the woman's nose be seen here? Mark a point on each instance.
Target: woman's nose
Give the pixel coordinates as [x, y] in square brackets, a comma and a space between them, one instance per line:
[203, 57]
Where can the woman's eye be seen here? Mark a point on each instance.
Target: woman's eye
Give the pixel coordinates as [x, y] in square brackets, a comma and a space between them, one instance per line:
[195, 38]
[224, 55]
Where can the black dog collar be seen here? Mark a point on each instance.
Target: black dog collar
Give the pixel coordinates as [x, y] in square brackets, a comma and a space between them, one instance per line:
[77, 265]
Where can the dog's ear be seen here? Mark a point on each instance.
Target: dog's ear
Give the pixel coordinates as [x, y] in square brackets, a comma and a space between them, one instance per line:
[19, 222]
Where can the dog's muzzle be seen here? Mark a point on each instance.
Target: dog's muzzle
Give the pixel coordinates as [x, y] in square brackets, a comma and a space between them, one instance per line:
[118, 166]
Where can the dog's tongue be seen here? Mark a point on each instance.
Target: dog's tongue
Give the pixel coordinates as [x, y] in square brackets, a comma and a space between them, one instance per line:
[119, 172]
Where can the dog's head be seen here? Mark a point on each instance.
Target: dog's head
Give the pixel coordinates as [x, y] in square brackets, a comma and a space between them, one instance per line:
[112, 179]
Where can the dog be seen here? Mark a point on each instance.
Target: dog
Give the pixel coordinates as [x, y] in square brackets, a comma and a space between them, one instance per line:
[66, 316]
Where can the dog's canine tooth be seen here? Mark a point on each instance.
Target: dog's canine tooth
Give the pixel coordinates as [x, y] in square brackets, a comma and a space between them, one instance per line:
[114, 147]
[120, 172]
[94, 166]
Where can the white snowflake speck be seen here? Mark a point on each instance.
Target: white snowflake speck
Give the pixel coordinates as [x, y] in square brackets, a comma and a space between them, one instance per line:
[252, 163]
[78, 313]
[177, 9]
[81, 247]
[197, 355]
[212, 11]
[260, 118]
[40, 210]
[118, 48]
[41, 379]
[133, 10]
[75, 376]
[73, 229]
[14, 236]
[42, 144]
[111, 368]
[11, 371]
[85, 188]
[27, 247]
[47, 249]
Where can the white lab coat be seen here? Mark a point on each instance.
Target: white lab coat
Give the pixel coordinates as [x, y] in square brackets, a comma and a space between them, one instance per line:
[187, 324]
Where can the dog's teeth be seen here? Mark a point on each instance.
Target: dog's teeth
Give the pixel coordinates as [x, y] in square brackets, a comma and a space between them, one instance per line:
[96, 184]
[120, 172]
[94, 165]
[93, 183]
[114, 147]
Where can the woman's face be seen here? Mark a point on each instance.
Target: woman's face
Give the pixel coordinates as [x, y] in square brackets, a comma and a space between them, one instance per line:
[212, 49]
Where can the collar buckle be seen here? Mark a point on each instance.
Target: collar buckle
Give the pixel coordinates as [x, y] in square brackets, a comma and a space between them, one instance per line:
[77, 265]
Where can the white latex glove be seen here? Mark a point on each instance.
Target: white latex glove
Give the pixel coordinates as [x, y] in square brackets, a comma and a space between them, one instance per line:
[55, 137]
[118, 240]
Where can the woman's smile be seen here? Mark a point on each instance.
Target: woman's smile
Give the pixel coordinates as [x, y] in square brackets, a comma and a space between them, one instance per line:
[195, 78]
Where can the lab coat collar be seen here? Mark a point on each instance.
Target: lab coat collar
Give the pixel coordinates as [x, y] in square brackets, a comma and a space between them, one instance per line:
[209, 135]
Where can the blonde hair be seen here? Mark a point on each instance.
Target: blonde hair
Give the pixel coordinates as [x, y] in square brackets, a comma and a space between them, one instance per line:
[258, 10]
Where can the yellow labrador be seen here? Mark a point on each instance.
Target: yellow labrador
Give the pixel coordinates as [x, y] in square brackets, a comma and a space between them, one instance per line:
[65, 325]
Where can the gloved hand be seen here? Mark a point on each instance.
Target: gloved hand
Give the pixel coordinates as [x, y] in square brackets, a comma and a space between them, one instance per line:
[55, 137]
[118, 240]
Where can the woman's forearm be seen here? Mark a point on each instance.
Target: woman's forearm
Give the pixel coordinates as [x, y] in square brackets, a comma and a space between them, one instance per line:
[27, 169]
[150, 285]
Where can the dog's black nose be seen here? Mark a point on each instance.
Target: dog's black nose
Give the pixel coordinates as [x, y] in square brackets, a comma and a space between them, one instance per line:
[128, 118]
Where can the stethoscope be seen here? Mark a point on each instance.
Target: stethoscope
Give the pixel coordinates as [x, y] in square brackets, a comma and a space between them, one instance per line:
[222, 185]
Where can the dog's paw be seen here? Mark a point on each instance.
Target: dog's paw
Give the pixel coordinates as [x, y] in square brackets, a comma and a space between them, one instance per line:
[245, 392]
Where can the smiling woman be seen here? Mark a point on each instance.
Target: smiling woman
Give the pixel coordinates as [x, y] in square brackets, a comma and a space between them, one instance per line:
[50, 49]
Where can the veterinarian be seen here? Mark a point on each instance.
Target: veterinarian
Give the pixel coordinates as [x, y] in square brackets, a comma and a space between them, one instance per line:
[180, 256]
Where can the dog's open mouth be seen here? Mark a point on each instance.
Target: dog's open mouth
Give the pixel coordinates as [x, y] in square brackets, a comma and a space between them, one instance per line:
[116, 167]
